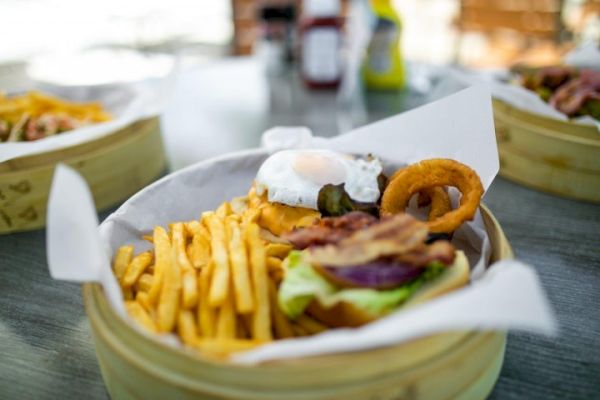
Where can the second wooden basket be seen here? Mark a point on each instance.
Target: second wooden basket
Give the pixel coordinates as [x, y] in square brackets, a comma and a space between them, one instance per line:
[115, 166]
[558, 157]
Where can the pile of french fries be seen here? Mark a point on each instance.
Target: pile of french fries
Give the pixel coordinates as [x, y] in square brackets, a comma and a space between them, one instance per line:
[211, 281]
[17, 110]
[37, 103]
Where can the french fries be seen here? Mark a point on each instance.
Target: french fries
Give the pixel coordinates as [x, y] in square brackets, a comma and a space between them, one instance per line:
[144, 282]
[199, 249]
[226, 322]
[206, 314]
[122, 260]
[212, 281]
[282, 326]
[278, 250]
[186, 327]
[244, 301]
[136, 268]
[34, 115]
[170, 295]
[141, 316]
[219, 288]
[261, 322]
[189, 275]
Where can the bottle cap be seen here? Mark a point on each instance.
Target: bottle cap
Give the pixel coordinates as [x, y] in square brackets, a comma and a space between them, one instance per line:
[321, 8]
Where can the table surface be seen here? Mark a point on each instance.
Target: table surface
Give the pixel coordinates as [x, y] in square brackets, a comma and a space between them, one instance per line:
[46, 350]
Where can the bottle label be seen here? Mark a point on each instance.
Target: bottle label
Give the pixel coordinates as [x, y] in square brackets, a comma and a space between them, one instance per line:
[320, 54]
[385, 36]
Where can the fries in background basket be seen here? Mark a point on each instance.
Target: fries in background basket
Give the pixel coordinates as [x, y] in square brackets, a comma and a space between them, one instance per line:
[36, 115]
[213, 282]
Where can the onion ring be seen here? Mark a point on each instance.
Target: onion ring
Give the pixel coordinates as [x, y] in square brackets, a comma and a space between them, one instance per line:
[439, 200]
[433, 173]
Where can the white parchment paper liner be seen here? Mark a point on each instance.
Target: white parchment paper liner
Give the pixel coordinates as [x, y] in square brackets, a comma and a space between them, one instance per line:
[503, 296]
[126, 103]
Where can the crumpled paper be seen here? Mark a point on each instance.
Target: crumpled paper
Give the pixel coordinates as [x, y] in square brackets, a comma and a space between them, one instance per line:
[506, 295]
[126, 103]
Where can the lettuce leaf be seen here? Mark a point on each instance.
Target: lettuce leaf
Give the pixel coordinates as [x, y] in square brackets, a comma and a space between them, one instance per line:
[302, 284]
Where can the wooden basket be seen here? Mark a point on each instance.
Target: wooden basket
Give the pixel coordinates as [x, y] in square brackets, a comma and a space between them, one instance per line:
[457, 365]
[115, 167]
[555, 156]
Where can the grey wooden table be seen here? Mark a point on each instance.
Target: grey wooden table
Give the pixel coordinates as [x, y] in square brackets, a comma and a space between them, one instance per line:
[46, 350]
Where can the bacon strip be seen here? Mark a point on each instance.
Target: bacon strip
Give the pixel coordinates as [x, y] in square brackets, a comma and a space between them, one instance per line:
[441, 251]
[330, 230]
[396, 235]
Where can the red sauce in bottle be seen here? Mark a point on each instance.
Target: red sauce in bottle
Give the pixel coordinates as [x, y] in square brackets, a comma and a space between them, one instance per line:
[321, 40]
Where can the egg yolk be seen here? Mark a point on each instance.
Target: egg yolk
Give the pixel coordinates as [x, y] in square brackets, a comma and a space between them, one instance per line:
[319, 169]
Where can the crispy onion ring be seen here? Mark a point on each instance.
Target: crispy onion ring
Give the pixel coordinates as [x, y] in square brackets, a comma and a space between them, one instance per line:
[439, 200]
[430, 174]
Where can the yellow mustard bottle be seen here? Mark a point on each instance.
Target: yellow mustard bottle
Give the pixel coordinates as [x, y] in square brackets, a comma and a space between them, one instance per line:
[383, 67]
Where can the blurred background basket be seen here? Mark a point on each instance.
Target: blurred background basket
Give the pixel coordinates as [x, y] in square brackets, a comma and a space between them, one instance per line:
[558, 157]
[115, 166]
[457, 365]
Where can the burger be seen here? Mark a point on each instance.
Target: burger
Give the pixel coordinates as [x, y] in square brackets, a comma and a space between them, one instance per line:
[351, 270]
[348, 267]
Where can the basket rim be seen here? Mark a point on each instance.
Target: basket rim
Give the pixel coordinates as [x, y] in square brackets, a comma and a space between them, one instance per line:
[82, 151]
[508, 111]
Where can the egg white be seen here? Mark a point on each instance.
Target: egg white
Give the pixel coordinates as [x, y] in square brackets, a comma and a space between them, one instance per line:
[295, 177]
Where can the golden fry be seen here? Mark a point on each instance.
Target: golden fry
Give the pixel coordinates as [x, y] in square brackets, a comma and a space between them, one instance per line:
[162, 255]
[189, 277]
[137, 312]
[251, 215]
[219, 287]
[239, 205]
[200, 250]
[277, 275]
[148, 238]
[122, 260]
[244, 301]
[144, 282]
[278, 250]
[261, 321]
[223, 210]
[226, 321]
[274, 264]
[189, 281]
[178, 234]
[282, 326]
[136, 267]
[310, 325]
[170, 295]
[206, 314]
[144, 300]
[186, 327]
[193, 227]
[224, 347]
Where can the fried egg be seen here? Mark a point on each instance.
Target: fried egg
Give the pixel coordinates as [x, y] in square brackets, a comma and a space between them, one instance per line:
[295, 177]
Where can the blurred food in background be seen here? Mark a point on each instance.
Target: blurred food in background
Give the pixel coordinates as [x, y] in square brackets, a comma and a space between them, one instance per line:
[36, 115]
[574, 92]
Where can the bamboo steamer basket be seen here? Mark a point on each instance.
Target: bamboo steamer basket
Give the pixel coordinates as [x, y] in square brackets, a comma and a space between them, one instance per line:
[456, 365]
[558, 157]
[115, 166]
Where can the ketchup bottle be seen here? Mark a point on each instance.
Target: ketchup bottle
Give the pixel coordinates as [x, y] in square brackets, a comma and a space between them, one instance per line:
[321, 41]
